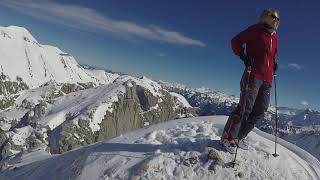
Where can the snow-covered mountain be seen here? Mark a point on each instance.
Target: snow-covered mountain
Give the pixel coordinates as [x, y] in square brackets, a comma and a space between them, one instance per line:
[289, 111]
[49, 102]
[27, 64]
[308, 117]
[207, 101]
[180, 149]
[22, 56]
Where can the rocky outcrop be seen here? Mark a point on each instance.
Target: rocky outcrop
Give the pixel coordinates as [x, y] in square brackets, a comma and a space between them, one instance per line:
[8, 89]
[137, 108]
[69, 88]
[31, 113]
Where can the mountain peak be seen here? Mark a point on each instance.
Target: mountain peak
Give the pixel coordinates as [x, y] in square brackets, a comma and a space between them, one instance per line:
[18, 28]
[308, 110]
[35, 63]
[311, 111]
[17, 32]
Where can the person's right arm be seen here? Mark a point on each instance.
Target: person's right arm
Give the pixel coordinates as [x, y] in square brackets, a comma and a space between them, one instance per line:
[238, 42]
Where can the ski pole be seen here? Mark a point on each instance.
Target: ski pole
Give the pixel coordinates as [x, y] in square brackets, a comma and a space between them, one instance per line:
[243, 111]
[276, 131]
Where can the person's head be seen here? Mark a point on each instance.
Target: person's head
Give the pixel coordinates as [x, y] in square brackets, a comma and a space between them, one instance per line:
[270, 17]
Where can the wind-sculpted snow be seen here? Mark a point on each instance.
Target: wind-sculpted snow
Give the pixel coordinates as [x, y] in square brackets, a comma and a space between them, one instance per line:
[180, 149]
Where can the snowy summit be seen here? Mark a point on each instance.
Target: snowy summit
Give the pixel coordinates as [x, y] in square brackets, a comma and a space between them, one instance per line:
[179, 149]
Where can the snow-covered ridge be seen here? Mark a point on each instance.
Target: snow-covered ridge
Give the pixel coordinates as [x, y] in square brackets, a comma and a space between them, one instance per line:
[181, 99]
[99, 100]
[217, 96]
[306, 118]
[22, 56]
[16, 32]
[49, 106]
[211, 96]
[179, 149]
[145, 82]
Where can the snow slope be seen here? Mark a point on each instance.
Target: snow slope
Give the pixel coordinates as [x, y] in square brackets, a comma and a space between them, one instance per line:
[172, 150]
[21, 55]
[181, 99]
[98, 100]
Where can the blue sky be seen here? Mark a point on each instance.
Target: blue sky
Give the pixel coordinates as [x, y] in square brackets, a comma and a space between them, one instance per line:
[179, 41]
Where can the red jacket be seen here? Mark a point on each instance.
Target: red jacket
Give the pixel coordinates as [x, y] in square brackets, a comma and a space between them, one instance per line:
[261, 46]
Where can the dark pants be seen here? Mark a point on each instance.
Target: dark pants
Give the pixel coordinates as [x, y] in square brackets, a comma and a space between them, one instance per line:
[257, 99]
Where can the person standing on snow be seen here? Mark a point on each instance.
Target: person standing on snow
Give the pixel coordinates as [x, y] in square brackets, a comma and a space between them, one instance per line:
[259, 56]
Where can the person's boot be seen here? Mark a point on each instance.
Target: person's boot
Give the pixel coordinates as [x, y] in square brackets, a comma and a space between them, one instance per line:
[229, 145]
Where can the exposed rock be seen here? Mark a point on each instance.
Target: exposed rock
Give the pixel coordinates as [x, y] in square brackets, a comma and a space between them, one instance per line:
[69, 88]
[8, 89]
[132, 110]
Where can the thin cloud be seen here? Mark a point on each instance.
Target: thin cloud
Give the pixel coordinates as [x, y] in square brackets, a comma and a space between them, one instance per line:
[161, 54]
[87, 19]
[295, 66]
[305, 103]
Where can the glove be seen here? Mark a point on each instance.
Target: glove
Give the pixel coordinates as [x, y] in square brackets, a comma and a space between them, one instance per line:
[246, 60]
[275, 66]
